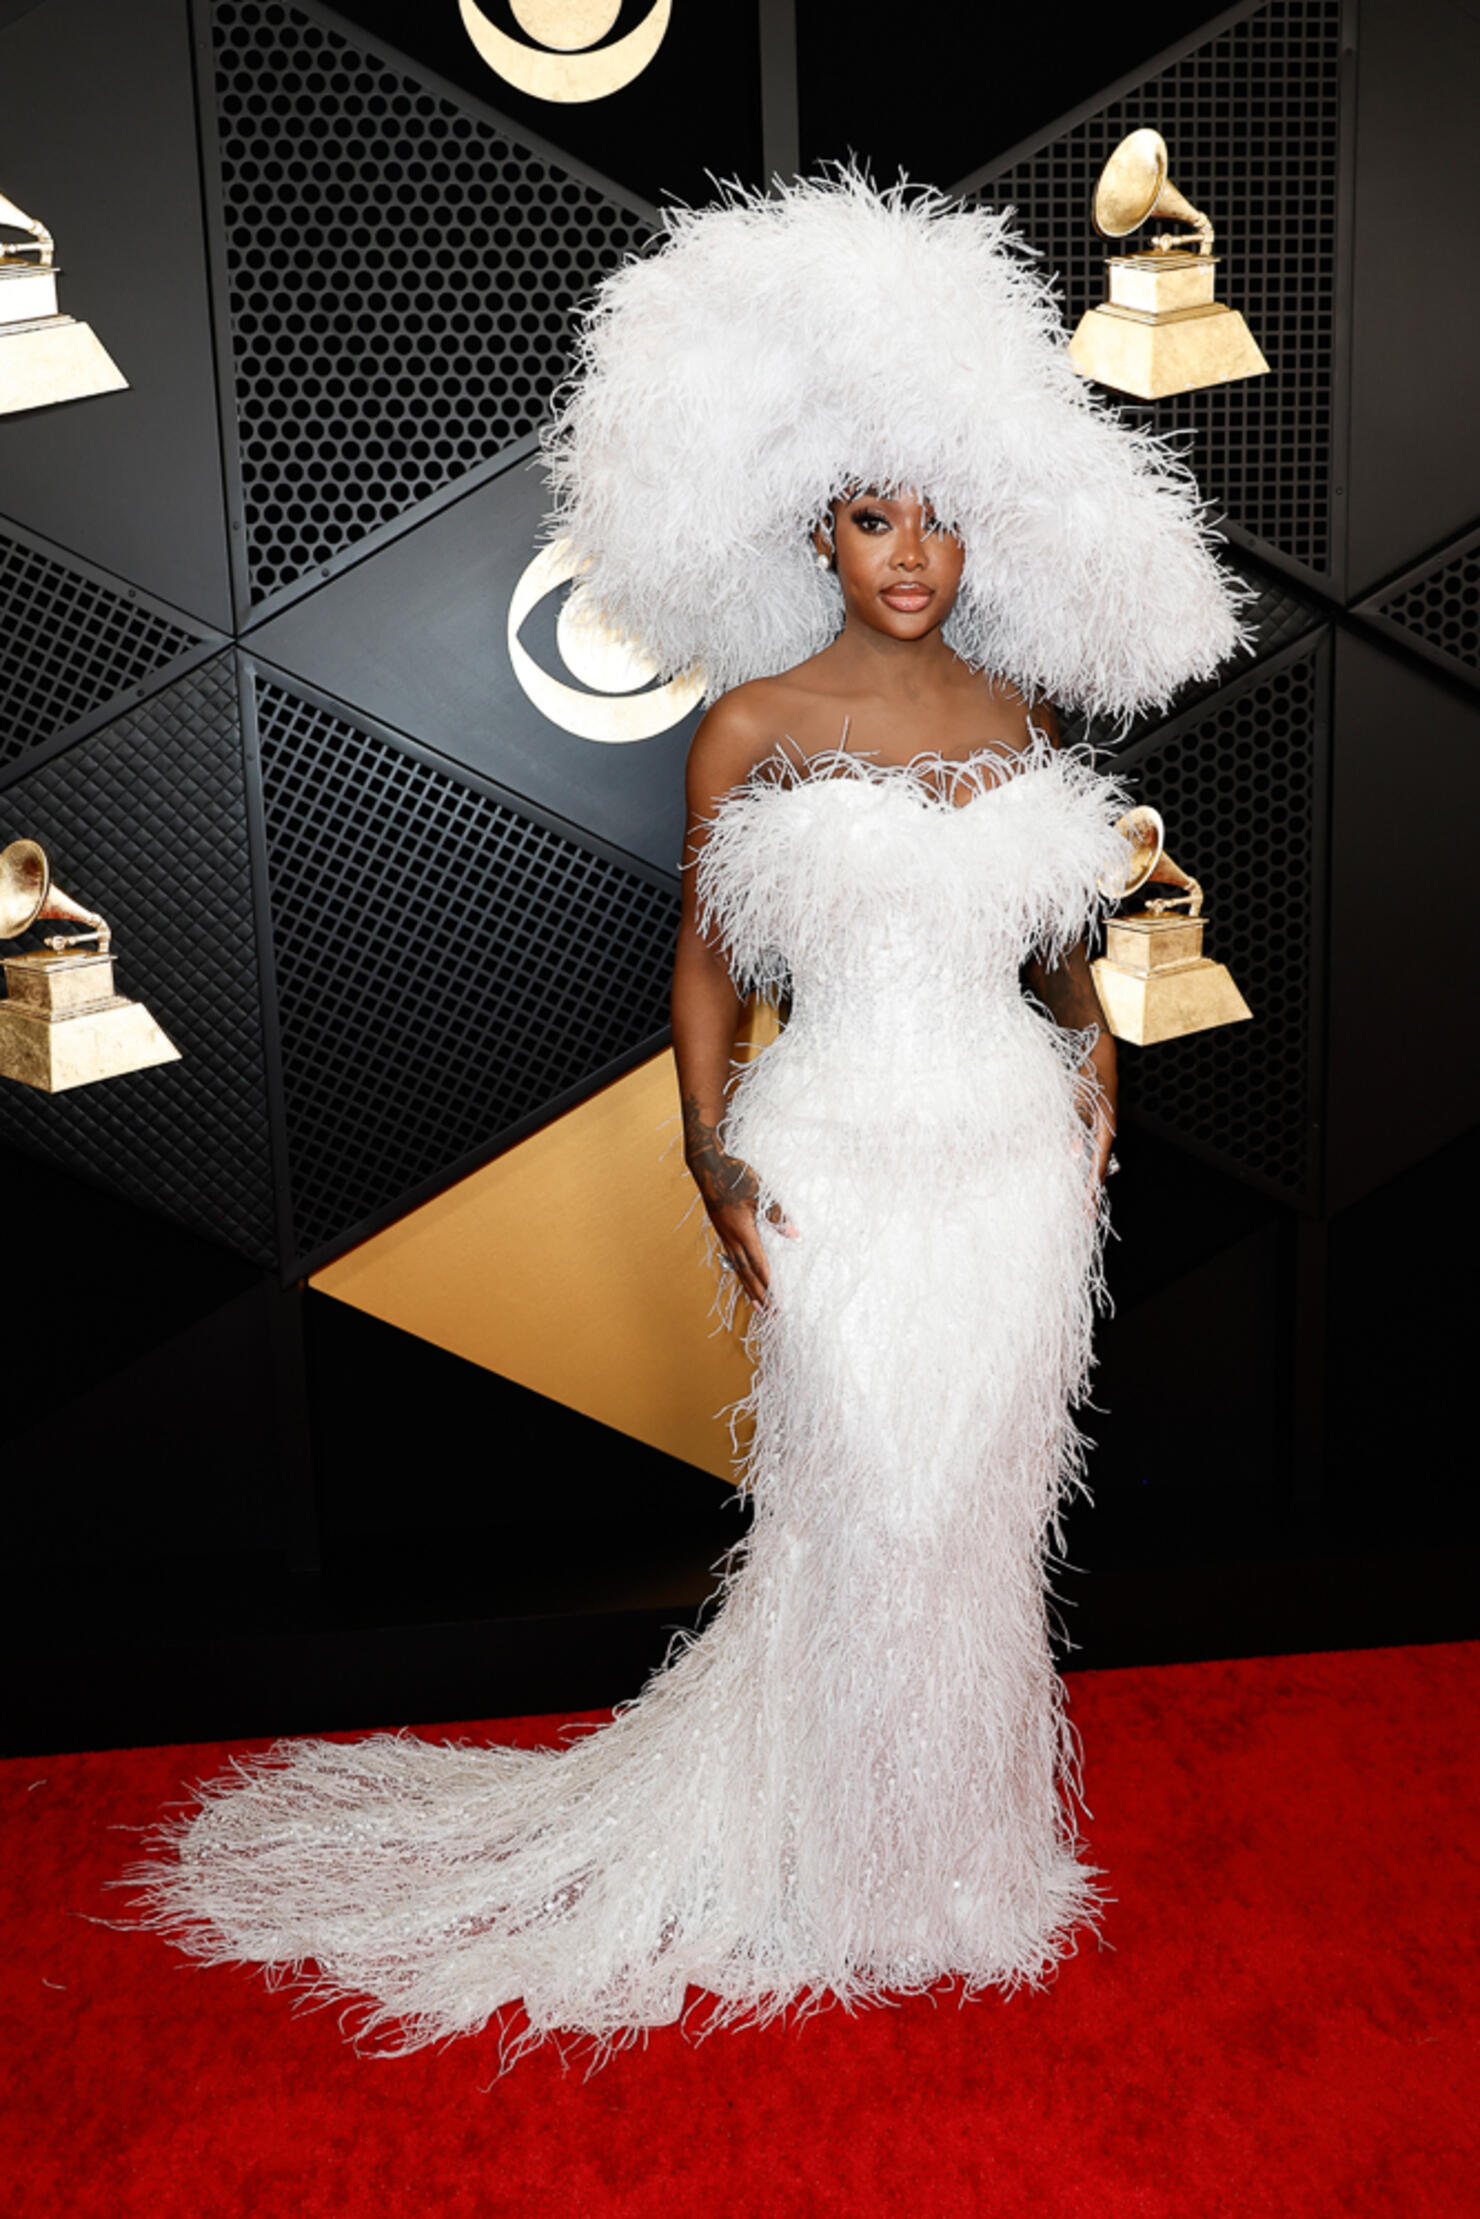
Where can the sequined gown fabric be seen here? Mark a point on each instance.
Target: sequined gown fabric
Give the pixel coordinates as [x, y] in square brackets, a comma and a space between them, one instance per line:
[861, 1778]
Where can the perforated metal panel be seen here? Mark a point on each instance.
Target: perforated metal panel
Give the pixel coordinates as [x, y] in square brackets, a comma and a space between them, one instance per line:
[69, 645]
[1436, 608]
[1240, 786]
[145, 821]
[401, 277]
[1251, 120]
[446, 965]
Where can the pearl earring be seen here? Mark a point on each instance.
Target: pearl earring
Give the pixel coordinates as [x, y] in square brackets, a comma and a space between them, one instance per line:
[823, 562]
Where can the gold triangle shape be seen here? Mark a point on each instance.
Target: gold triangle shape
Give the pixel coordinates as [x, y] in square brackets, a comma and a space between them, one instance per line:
[575, 1264]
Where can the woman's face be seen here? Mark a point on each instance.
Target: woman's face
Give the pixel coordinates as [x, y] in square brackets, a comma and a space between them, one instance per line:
[899, 572]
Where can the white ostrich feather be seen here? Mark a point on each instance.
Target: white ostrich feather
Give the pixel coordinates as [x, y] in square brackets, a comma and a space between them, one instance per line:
[773, 351]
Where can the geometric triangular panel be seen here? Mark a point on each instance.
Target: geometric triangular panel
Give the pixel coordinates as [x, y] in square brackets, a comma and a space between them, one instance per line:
[1412, 481]
[402, 276]
[450, 969]
[145, 821]
[1434, 608]
[1252, 121]
[939, 122]
[692, 114]
[98, 142]
[416, 635]
[602, 1295]
[72, 641]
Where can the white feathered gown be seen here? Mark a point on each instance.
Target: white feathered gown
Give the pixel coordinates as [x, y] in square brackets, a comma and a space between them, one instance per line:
[861, 1778]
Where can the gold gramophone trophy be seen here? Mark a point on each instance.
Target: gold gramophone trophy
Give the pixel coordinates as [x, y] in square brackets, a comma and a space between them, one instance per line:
[1154, 982]
[44, 356]
[1161, 331]
[61, 1024]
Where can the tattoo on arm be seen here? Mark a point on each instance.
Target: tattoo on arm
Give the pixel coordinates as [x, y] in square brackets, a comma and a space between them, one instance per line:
[1068, 989]
[719, 1177]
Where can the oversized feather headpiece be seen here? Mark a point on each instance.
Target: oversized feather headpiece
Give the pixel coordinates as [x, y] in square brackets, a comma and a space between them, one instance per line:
[771, 351]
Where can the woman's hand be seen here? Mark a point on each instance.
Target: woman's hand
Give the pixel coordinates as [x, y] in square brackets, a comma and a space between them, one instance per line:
[730, 1192]
[1068, 991]
[1097, 1110]
[1099, 1140]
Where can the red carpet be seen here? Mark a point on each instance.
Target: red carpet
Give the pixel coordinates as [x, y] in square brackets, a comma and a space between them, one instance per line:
[1284, 2021]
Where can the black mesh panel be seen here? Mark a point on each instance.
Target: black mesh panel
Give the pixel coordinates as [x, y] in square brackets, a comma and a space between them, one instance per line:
[446, 966]
[1251, 123]
[68, 646]
[1437, 607]
[1239, 790]
[145, 822]
[402, 280]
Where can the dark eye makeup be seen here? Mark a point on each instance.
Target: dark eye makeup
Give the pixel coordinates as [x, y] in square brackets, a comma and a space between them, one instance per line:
[871, 519]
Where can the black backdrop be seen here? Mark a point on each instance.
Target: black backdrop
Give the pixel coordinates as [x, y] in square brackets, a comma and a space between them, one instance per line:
[259, 705]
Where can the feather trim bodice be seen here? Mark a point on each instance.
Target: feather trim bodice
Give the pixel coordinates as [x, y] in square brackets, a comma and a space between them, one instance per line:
[931, 877]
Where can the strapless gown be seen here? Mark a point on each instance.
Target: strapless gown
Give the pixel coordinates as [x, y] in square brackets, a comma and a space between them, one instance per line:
[861, 1779]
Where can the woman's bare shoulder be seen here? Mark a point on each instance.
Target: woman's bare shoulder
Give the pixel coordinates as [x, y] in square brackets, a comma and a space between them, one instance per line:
[741, 729]
[1014, 717]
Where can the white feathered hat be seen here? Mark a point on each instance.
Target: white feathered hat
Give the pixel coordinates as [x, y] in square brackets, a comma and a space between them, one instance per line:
[772, 351]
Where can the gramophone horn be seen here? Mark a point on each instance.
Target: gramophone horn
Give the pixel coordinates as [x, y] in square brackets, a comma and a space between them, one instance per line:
[17, 220]
[1149, 861]
[27, 894]
[1147, 836]
[25, 881]
[1134, 185]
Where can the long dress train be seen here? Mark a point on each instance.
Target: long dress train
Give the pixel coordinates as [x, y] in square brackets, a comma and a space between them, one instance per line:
[861, 1778]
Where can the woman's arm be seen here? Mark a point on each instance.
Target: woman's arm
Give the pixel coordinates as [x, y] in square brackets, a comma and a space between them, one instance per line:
[706, 1008]
[1067, 990]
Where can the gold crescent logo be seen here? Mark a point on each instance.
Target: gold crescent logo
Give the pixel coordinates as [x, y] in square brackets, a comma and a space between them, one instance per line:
[614, 711]
[568, 24]
[569, 27]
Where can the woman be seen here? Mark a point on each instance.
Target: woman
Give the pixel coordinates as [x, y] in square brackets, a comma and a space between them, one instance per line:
[888, 673]
[829, 443]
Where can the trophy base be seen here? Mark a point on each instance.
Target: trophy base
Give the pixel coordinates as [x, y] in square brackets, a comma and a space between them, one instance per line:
[1152, 353]
[1146, 1006]
[51, 359]
[55, 1053]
